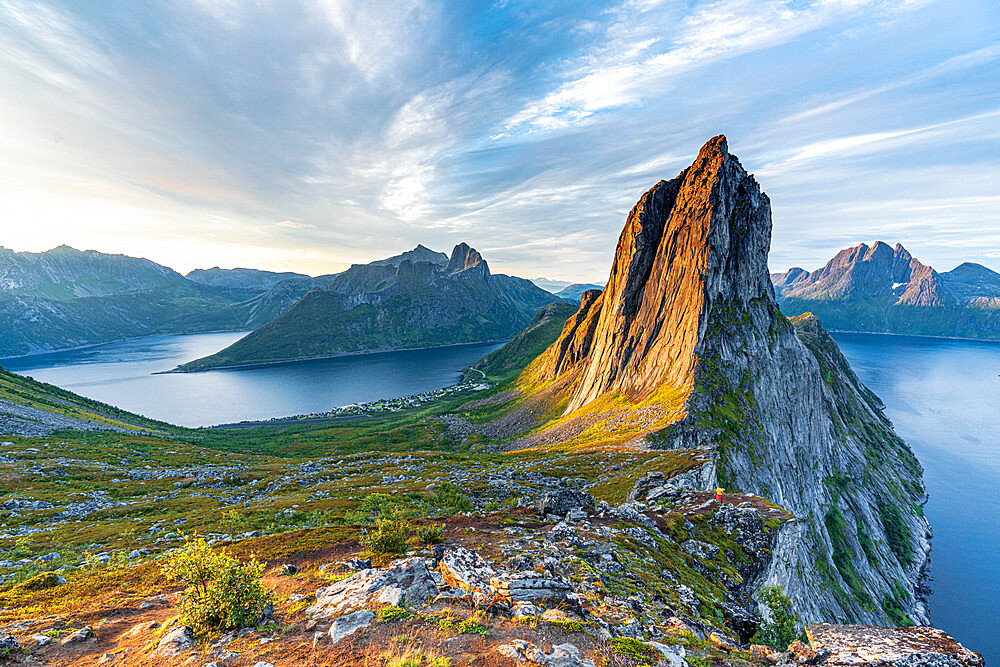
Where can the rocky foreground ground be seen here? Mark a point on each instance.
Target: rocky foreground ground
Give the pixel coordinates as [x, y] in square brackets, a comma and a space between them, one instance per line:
[529, 560]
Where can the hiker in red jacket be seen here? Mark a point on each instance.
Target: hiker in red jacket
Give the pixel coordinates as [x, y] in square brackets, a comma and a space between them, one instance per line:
[718, 495]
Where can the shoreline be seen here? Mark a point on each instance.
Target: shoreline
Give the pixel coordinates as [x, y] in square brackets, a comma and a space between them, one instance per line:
[263, 364]
[117, 340]
[903, 335]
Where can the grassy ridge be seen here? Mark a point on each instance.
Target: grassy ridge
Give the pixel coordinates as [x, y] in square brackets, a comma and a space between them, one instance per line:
[25, 391]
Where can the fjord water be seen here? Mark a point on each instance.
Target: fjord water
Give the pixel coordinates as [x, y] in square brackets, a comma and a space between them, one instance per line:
[943, 397]
[124, 374]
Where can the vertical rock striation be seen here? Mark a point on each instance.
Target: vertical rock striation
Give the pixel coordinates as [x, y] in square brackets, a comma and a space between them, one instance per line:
[690, 304]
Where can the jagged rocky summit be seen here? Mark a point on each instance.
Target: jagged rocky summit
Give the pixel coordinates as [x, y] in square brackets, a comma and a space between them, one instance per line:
[883, 289]
[689, 311]
[420, 298]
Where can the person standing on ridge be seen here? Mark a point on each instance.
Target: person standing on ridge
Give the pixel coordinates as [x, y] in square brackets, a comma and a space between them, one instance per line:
[718, 495]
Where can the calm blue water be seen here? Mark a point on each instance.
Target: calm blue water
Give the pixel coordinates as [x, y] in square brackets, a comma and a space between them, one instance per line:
[943, 397]
[122, 374]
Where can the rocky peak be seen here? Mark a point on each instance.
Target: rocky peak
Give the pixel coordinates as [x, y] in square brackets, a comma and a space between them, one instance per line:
[690, 309]
[688, 242]
[464, 257]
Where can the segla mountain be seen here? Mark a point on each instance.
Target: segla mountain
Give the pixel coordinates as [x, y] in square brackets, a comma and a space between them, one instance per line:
[418, 299]
[686, 350]
[886, 290]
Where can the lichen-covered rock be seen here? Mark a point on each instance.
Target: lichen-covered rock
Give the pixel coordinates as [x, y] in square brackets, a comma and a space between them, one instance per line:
[863, 646]
[464, 568]
[406, 582]
[348, 624]
[563, 500]
[175, 640]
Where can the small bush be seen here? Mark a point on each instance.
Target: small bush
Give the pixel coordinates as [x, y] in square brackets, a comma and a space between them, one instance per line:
[474, 625]
[41, 582]
[223, 593]
[780, 630]
[393, 613]
[430, 534]
[632, 649]
[387, 535]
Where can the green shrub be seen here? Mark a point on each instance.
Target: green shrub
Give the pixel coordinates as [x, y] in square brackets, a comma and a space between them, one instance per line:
[41, 582]
[447, 498]
[900, 542]
[474, 625]
[780, 630]
[387, 535]
[633, 649]
[393, 613]
[223, 593]
[430, 534]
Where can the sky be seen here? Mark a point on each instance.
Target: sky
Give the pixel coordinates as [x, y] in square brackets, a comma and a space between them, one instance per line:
[306, 136]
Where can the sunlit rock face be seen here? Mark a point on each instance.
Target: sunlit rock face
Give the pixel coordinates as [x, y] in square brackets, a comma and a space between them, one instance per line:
[690, 305]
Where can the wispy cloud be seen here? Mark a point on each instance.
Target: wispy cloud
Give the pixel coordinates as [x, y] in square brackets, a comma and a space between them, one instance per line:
[302, 134]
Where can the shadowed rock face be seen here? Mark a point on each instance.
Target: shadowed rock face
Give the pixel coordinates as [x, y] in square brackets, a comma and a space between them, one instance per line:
[690, 305]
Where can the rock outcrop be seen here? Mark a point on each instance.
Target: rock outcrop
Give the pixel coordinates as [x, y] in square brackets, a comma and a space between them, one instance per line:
[690, 306]
[888, 647]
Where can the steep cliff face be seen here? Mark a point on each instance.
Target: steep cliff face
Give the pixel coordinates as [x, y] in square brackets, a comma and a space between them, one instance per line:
[690, 305]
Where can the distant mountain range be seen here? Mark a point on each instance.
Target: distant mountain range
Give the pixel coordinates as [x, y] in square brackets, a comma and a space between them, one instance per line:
[576, 290]
[418, 299]
[886, 290]
[64, 298]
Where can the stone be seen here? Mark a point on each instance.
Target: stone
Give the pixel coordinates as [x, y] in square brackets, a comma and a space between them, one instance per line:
[407, 582]
[645, 484]
[801, 653]
[562, 500]
[175, 640]
[466, 569]
[348, 624]
[670, 656]
[9, 644]
[42, 640]
[261, 663]
[700, 549]
[266, 614]
[567, 655]
[889, 647]
[80, 635]
[723, 641]
[288, 570]
[532, 587]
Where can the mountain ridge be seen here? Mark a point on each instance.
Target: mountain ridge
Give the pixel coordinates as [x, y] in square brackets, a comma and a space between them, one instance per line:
[881, 289]
[686, 350]
[392, 305]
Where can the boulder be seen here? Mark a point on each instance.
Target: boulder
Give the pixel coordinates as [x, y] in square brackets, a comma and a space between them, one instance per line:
[348, 624]
[175, 640]
[562, 655]
[466, 569]
[889, 647]
[645, 484]
[406, 582]
[562, 500]
[670, 656]
[9, 645]
[533, 588]
[80, 635]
